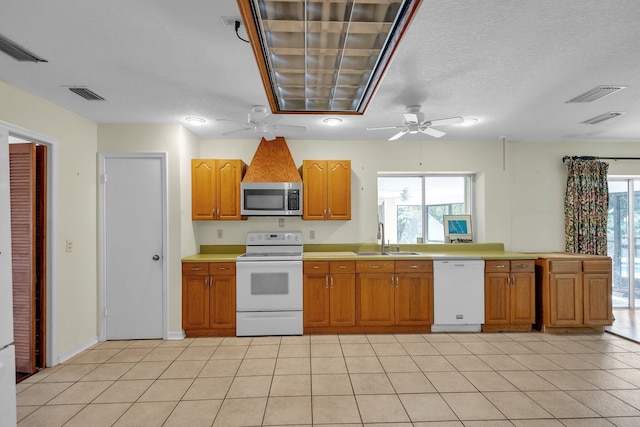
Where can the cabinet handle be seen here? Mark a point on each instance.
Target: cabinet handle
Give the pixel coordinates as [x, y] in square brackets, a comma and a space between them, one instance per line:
[342, 266]
[326, 282]
[222, 268]
[325, 213]
[374, 266]
[207, 282]
[218, 214]
[315, 267]
[522, 266]
[213, 213]
[329, 215]
[331, 282]
[498, 266]
[195, 269]
[414, 266]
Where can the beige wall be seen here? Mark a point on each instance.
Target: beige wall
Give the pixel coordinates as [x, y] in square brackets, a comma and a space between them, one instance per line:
[76, 142]
[175, 141]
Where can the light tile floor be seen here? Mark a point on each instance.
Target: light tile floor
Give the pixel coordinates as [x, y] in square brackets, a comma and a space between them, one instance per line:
[483, 379]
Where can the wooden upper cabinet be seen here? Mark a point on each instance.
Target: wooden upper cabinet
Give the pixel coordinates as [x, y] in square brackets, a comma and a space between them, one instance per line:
[215, 189]
[339, 189]
[326, 189]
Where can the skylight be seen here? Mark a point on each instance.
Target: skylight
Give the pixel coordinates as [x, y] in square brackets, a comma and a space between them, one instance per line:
[327, 56]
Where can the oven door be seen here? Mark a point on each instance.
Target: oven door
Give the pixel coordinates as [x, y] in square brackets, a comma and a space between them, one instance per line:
[268, 285]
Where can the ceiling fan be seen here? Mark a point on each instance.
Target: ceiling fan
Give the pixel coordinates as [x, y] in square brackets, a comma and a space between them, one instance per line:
[415, 122]
[261, 121]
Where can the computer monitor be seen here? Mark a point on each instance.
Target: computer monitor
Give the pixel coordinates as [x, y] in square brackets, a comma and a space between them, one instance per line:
[457, 229]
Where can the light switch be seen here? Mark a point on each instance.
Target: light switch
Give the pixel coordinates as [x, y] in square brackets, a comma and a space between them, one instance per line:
[220, 233]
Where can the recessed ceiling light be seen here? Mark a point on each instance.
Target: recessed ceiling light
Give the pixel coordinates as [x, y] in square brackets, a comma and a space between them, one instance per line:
[332, 121]
[195, 121]
[469, 121]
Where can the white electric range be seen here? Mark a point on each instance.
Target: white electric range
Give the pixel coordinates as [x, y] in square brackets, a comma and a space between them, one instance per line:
[269, 285]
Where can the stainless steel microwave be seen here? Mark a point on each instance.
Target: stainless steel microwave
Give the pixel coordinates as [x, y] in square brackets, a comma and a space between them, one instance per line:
[271, 198]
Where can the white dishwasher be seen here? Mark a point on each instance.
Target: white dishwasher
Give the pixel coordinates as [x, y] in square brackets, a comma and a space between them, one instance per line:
[458, 295]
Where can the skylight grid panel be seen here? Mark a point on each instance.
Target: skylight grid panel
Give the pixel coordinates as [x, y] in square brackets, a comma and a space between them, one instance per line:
[369, 27]
[321, 78]
[283, 26]
[282, 10]
[288, 62]
[316, 92]
[365, 41]
[375, 12]
[290, 78]
[318, 104]
[328, 11]
[279, 39]
[319, 40]
[344, 105]
[324, 62]
[292, 91]
[352, 79]
[358, 63]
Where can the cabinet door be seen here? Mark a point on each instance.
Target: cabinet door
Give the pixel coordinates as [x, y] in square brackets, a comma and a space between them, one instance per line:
[314, 190]
[522, 297]
[195, 302]
[316, 300]
[339, 189]
[375, 299]
[597, 299]
[228, 176]
[342, 300]
[203, 189]
[222, 302]
[565, 300]
[413, 299]
[496, 298]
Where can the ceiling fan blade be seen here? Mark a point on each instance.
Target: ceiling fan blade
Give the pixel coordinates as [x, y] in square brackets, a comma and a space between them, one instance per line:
[444, 122]
[432, 132]
[387, 127]
[411, 117]
[398, 135]
[291, 128]
[237, 130]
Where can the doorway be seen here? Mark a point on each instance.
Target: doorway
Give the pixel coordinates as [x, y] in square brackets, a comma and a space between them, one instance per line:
[623, 240]
[28, 195]
[133, 241]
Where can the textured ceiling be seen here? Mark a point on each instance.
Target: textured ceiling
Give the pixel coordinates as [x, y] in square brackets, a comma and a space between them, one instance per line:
[510, 63]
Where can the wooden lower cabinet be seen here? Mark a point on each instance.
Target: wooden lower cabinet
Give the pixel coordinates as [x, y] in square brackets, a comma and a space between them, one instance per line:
[395, 294]
[209, 299]
[509, 295]
[574, 292]
[328, 294]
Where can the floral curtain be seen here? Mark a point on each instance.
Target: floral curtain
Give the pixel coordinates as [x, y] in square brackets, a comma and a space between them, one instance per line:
[585, 206]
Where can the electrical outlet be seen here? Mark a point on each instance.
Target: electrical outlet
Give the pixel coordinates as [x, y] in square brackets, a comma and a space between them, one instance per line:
[280, 222]
[312, 234]
[69, 245]
[219, 233]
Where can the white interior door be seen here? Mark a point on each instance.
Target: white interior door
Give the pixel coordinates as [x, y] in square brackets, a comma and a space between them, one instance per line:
[133, 197]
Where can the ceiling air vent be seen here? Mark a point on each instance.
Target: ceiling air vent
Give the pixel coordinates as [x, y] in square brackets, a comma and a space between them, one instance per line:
[87, 94]
[17, 52]
[596, 93]
[603, 117]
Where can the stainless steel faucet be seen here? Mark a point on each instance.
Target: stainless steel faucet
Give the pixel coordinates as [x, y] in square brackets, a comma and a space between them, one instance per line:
[381, 235]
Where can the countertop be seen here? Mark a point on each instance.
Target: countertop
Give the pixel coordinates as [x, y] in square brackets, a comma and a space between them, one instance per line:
[348, 255]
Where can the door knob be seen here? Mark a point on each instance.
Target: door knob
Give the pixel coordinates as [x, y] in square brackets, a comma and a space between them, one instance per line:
[156, 257]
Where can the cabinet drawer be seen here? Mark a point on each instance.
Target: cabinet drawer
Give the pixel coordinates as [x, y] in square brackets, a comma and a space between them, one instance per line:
[342, 266]
[375, 266]
[222, 268]
[596, 266]
[195, 269]
[315, 267]
[417, 266]
[565, 266]
[523, 265]
[497, 266]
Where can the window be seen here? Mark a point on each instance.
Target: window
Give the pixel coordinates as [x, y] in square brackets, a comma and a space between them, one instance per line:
[412, 206]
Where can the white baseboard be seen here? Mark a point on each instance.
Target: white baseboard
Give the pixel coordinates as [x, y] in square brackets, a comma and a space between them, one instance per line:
[77, 350]
[176, 335]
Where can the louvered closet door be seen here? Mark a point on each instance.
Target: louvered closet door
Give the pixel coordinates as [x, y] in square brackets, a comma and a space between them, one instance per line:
[22, 179]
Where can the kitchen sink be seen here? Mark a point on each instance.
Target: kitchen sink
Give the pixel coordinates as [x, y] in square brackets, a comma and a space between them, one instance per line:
[391, 253]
